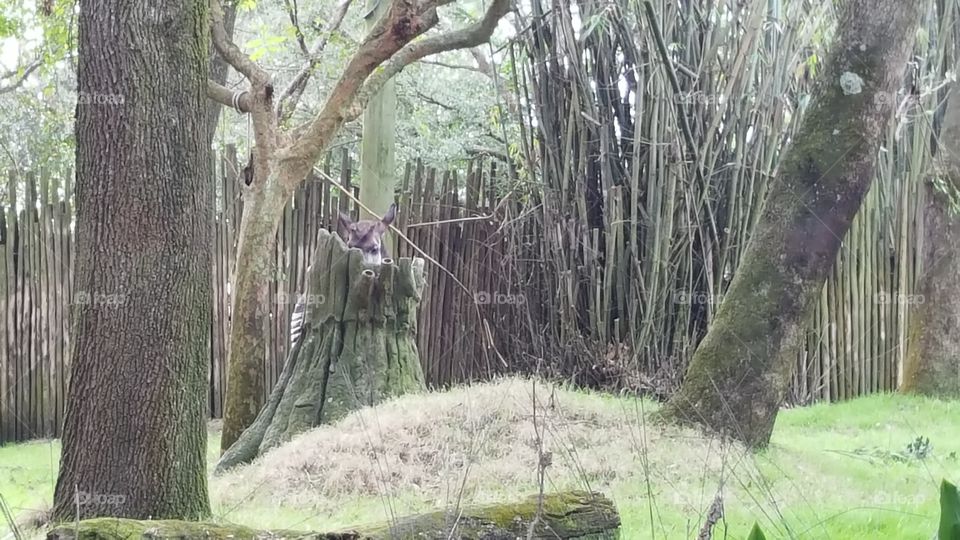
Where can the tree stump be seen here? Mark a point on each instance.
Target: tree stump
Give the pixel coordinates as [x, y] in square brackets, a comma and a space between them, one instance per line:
[357, 347]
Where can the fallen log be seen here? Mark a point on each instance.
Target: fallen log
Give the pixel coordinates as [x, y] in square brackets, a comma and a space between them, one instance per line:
[572, 514]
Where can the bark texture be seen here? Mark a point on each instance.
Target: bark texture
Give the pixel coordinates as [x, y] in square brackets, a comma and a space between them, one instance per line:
[255, 248]
[738, 376]
[134, 436]
[357, 347]
[573, 514]
[932, 365]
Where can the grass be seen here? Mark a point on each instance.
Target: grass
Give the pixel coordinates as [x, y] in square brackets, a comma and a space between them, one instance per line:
[832, 471]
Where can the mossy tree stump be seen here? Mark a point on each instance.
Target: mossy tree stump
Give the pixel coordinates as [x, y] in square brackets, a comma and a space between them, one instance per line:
[356, 348]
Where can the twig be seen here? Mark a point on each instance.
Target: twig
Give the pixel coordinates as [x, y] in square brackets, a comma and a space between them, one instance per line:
[20, 80]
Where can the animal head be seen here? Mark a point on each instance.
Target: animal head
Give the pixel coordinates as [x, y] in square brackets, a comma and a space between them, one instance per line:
[367, 234]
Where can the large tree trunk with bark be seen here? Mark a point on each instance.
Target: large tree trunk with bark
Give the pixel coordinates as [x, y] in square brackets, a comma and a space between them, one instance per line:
[357, 347]
[134, 437]
[739, 374]
[932, 364]
[573, 514]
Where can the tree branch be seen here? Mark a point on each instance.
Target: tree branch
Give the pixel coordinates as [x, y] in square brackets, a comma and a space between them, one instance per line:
[292, 11]
[230, 52]
[471, 36]
[404, 21]
[23, 76]
[290, 96]
[224, 96]
[451, 66]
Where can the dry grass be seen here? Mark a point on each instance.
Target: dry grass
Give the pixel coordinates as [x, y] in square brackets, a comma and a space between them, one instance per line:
[480, 439]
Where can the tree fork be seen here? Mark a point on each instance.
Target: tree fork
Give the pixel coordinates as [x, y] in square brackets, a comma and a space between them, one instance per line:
[284, 158]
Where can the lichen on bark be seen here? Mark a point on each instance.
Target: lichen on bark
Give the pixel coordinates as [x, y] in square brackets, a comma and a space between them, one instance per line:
[739, 373]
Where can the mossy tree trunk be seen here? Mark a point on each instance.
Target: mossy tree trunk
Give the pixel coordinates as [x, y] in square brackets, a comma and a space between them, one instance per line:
[932, 364]
[739, 374]
[357, 347]
[134, 436]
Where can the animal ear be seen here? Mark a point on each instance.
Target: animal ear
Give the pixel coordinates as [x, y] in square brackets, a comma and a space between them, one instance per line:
[389, 216]
[343, 226]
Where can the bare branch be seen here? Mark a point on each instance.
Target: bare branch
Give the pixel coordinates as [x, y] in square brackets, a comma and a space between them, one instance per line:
[292, 11]
[224, 96]
[290, 97]
[20, 79]
[229, 50]
[404, 21]
[483, 65]
[471, 36]
[430, 100]
[451, 66]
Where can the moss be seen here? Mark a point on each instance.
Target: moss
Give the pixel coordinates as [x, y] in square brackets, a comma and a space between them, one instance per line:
[739, 373]
[123, 529]
[566, 515]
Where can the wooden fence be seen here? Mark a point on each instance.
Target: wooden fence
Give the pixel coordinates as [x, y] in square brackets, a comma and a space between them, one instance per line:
[486, 313]
[37, 251]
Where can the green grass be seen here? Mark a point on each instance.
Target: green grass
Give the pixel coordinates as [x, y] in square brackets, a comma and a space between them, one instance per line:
[832, 471]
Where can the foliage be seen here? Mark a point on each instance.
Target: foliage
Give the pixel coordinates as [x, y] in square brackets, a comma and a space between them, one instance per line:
[445, 107]
[949, 512]
[916, 450]
[756, 533]
[442, 111]
[36, 119]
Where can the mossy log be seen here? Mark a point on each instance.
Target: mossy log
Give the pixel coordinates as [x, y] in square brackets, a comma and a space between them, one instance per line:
[574, 514]
[356, 348]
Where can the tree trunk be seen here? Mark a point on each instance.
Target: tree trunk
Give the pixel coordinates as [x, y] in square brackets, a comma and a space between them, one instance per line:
[357, 347]
[739, 374]
[573, 514]
[378, 166]
[250, 308]
[134, 436]
[932, 364]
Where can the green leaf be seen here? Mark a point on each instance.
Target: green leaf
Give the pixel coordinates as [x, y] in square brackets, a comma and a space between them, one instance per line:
[756, 533]
[8, 27]
[949, 512]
